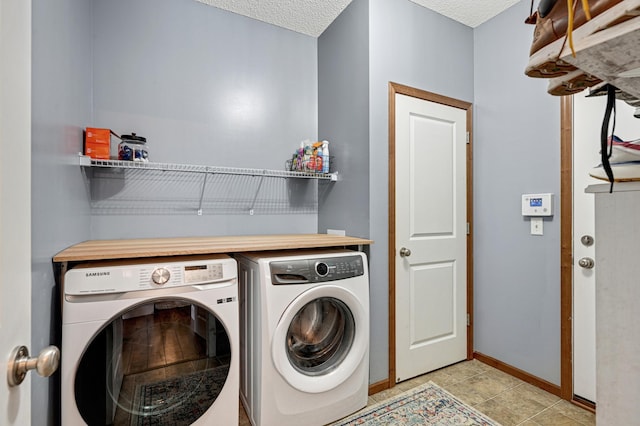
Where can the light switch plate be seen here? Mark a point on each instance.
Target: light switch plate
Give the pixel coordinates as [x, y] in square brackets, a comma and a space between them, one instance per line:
[537, 226]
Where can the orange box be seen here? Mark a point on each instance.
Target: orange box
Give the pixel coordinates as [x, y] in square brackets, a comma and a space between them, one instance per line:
[97, 143]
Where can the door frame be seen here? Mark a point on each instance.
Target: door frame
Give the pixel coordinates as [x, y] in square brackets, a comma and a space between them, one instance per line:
[566, 247]
[395, 88]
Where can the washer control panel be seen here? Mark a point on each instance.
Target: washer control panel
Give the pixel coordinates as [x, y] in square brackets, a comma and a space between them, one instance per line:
[301, 271]
[145, 276]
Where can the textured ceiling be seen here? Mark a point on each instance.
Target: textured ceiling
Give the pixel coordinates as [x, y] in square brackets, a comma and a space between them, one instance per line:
[470, 12]
[309, 17]
[312, 17]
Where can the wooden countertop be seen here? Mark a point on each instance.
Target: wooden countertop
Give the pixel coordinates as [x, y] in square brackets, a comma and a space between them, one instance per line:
[155, 247]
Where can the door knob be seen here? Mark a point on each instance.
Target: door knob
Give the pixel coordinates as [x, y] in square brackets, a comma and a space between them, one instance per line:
[586, 262]
[45, 364]
[405, 252]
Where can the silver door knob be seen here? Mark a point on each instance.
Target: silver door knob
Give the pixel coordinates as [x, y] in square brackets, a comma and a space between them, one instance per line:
[405, 252]
[586, 262]
[45, 364]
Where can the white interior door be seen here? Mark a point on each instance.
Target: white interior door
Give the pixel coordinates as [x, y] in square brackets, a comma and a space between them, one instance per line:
[15, 201]
[588, 114]
[431, 279]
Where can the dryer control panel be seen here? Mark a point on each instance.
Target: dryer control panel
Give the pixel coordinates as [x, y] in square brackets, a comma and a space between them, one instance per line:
[303, 271]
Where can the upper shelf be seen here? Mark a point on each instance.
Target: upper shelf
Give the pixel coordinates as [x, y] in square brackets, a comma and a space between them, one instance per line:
[187, 168]
[128, 187]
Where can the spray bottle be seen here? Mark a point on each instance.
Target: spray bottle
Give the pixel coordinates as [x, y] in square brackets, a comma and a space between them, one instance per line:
[325, 156]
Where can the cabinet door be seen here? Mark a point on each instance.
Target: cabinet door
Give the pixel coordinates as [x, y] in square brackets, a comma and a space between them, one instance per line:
[617, 296]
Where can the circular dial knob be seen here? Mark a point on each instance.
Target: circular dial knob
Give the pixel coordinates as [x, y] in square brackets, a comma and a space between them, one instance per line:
[322, 269]
[160, 276]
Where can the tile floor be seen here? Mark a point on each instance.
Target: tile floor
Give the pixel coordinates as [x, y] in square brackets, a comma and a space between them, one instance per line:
[504, 398]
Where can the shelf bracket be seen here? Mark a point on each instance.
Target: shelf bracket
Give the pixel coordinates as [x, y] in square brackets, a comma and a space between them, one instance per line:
[255, 197]
[204, 185]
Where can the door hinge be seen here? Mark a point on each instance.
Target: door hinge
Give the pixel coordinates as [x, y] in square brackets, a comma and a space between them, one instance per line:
[468, 137]
[468, 228]
[468, 320]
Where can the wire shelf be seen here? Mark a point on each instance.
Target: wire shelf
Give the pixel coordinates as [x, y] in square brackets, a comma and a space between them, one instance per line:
[124, 187]
[187, 168]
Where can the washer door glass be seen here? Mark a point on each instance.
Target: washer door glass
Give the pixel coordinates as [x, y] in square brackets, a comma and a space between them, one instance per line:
[320, 336]
[163, 362]
[321, 339]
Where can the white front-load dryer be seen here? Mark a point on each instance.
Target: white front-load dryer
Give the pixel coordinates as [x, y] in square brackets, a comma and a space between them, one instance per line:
[305, 336]
[150, 342]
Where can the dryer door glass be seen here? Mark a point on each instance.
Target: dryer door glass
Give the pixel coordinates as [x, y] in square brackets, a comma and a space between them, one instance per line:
[163, 362]
[320, 336]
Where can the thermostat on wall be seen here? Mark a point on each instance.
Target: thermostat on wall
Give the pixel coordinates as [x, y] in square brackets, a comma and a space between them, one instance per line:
[537, 204]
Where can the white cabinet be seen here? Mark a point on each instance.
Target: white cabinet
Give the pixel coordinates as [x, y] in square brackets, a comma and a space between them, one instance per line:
[617, 266]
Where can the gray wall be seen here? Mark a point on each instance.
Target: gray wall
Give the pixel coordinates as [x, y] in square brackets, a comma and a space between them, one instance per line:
[414, 46]
[516, 151]
[61, 108]
[208, 87]
[343, 117]
[223, 90]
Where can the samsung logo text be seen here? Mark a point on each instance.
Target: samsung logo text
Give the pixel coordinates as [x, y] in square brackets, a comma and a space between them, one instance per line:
[97, 274]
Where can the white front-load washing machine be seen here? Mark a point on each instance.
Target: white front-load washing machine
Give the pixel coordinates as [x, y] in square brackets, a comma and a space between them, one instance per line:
[150, 342]
[304, 332]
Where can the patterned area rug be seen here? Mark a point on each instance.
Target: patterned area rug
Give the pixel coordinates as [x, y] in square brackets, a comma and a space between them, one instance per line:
[427, 404]
[177, 401]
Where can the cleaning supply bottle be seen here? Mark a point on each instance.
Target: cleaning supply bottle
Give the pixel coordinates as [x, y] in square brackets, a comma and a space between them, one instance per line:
[300, 157]
[325, 156]
[308, 152]
[319, 160]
